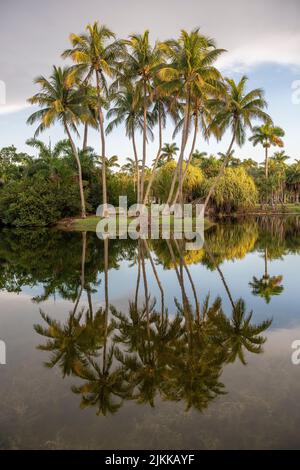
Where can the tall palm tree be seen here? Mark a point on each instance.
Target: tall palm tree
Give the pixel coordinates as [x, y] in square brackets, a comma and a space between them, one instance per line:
[96, 53]
[61, 102]
[141, 63]
[235, 110]
[126, 108]
[159, 114]
[267, 135]
[189, 72]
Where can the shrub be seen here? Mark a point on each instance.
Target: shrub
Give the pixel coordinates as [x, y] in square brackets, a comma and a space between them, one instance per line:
[37, 202]
[235, 190]
[163, 180]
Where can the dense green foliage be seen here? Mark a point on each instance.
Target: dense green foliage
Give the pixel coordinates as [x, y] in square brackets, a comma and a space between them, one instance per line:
[235, 190]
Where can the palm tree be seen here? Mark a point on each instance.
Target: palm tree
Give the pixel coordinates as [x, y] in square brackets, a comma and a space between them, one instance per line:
[189, 73]
[47, 152]
[96, 53]
[198, 157]
[267, 135]
[238, 334]
[141, 64]
[111, 162]
[60, 101]
[133, 168]
[159, 113]
[49, 158]
[102, 388]
[126, 108]
[268, 285]
[235, 110]
[168, 153]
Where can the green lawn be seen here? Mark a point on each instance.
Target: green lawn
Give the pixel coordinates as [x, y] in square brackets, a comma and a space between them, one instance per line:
[90, 223]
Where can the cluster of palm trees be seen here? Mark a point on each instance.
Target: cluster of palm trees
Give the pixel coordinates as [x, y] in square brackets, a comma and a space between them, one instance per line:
[140, 85]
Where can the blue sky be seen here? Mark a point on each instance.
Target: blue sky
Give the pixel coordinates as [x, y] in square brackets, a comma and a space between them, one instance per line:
[262, 42]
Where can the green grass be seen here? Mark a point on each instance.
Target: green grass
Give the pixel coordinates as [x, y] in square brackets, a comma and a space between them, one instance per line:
[280, 209]
[90, 223]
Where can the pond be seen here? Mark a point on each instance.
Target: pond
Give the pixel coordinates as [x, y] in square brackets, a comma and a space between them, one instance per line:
[124, 344]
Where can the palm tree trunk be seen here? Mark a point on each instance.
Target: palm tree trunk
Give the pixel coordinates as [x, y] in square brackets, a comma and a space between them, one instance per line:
[83, 259]
[220, 274]
[183, 145]
[221, 172]
[266, 163]
[197, 306]
[156, 277]
[156, 159]
[136, 164]
[266, 263]
[138, 277]
[146, 292]
[85, 136]
[144, 144]
[105, 242]
[190, 157]
[102, 135]
[76, 156]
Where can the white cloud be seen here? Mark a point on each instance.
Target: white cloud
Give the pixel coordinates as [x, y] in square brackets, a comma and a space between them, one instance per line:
[14, 108]
[283, 49]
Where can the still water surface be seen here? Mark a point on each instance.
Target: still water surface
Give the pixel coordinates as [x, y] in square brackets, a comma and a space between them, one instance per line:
[127, 345]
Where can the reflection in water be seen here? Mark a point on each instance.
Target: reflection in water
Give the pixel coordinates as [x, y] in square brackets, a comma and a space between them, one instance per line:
[126, 323]
[143, 353]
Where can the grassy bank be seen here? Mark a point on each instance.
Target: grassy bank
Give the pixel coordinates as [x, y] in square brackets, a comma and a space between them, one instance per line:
[280, 209]
[90, 223]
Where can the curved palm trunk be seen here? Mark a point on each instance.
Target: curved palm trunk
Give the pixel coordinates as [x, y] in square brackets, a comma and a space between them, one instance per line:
[190, 157]
[190, 279]
[156, 277]
[221, 172]
[76, 156]
[102, 138]
[221, 275]
[136, 165]
[185, 302]
[156, 159]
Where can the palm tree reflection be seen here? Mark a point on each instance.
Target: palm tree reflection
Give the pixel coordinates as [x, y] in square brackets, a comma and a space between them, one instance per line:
[144, 354]
[267, 286]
